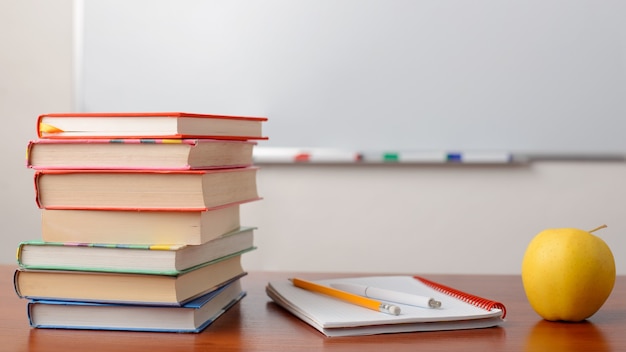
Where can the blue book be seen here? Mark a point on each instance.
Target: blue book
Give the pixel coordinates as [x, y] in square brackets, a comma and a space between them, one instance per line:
[192, 317]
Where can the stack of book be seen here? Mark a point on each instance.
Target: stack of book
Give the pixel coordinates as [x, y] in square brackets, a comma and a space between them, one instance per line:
[140, 220]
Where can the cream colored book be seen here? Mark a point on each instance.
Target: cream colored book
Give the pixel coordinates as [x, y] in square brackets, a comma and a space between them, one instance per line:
[138, 227]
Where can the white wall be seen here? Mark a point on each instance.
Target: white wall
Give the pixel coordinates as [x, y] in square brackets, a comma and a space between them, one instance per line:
[35, 77]
[440, 219]
[378, 218]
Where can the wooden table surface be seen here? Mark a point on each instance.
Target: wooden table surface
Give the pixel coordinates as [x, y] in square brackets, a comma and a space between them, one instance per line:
[256, 324]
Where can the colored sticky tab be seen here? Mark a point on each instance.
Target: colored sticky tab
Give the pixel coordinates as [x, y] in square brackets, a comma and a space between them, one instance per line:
[454, 157]
[45, 128]
[302, 157]
[391, 157]
[163, 247]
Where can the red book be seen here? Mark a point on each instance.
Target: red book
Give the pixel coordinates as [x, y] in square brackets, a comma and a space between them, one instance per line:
[149, 125]
[144, 189]
[125, 153]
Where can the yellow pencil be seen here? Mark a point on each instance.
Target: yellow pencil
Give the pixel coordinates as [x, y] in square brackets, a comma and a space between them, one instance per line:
[347, 296]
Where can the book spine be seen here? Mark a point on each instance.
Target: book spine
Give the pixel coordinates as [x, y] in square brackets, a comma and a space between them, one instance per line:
[18, 254]
[29, 314]
[463, 296]
[28, 153]
[16, 285]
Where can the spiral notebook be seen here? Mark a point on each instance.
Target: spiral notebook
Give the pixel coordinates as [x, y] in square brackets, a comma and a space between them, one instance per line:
[334, 317]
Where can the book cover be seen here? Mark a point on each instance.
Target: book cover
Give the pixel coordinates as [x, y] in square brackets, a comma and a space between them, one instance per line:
[149, 125]
[191, 317]
[124, 287]
[334, 317]
[125, 153]
[158, 259]
[144, 189]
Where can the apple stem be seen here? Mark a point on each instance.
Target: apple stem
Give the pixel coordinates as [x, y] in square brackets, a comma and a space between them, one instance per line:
[598, 228]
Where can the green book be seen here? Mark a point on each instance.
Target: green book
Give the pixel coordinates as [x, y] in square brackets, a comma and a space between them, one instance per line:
[159, 259]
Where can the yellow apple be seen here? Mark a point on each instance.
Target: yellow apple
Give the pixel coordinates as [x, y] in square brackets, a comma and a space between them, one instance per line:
[567, 274]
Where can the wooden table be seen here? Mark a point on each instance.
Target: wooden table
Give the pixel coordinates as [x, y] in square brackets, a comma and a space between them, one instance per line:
[256, 324]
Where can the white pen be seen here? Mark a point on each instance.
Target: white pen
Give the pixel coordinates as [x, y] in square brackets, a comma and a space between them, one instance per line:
[388, 295]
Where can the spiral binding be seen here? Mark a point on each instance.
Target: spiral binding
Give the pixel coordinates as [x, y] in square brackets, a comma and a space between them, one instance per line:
[464, 296]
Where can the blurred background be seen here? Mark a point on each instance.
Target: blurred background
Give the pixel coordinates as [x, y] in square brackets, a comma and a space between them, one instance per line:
[342, 218]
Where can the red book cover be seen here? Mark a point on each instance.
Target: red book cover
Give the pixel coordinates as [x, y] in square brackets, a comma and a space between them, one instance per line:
[140, 154]
[149, 125]
[183, 190]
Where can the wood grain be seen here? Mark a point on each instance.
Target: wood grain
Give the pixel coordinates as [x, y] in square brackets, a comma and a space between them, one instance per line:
[257, 324]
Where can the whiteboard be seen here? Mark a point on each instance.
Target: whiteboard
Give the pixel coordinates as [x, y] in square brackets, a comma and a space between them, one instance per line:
[521, 76]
